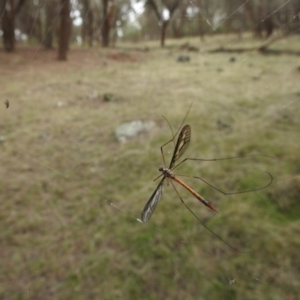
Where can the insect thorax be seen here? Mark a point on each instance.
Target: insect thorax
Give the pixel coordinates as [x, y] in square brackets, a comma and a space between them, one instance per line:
[166, 172]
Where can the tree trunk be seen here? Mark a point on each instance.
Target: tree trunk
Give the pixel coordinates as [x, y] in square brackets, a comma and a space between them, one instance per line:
[256, 20]
[39, 30]
[108, 16]
[90, 27]
[177, 28]
[201, 28]
[105, 27]
[50, 11]
[269, 26]
[8, 25]
[88, 21]
[64, 33]
[163, 33]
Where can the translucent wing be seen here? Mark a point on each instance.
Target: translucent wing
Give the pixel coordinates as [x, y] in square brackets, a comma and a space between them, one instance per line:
[183, 142]
[152, 202]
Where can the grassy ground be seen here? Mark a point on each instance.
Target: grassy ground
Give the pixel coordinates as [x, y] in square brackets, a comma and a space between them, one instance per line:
[70, 194]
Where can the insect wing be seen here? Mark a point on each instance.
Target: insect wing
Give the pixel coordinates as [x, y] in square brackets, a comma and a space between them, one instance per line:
[183, 142]
[152, 202]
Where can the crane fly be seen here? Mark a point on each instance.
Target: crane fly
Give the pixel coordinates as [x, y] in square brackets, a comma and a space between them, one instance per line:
[182, 144]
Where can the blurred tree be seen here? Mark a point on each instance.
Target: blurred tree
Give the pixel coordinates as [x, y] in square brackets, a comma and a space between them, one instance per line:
[258, 14]
[164, 11]
[8, 10]
[65, 30]
[29, 20]
[266, 16]
[87, 31]
[106, 20]
[108, 9]
[193, 20]
[179, 18]
[235, 20]
[8, 25]
[212, 11]
[50, 22]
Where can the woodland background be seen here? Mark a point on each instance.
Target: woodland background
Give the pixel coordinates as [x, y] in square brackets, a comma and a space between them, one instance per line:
[72, 72]
[104, 22]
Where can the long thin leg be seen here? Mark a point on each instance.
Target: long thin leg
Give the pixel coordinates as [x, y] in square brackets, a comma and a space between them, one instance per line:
[235, 249]
[216, 159]
[233, 157]
[231, 193]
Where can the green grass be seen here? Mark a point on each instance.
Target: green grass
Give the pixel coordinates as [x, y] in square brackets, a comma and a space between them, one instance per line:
[61, 167]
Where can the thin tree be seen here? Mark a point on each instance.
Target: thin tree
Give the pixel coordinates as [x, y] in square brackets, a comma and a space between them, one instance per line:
[64, 33]
[88, 21]
[171, 7]
[50, 14]
[108, 13]
[8, 11]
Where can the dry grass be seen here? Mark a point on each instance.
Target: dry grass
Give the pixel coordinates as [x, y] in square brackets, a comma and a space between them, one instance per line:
[61, 167]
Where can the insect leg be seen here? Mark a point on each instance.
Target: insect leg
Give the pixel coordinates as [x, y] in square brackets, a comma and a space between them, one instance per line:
[217, 236]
